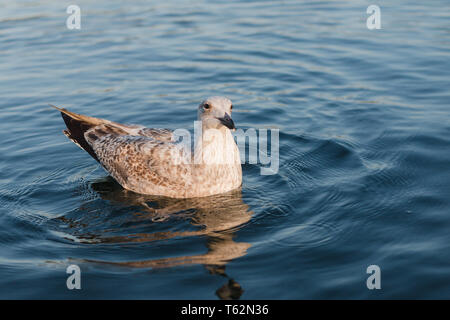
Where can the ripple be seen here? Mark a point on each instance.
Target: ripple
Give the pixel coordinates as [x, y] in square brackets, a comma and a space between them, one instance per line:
[305, 235]
[364, 148]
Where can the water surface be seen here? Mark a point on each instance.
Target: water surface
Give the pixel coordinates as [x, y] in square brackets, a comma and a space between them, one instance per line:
[364, 149]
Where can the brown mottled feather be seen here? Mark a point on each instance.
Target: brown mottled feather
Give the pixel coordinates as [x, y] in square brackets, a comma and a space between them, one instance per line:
[78, 125]
[136, 161]
[147, 160]
[75, 132]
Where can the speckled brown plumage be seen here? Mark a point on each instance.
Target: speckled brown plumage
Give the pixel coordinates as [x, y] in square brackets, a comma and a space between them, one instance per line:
[148, 161]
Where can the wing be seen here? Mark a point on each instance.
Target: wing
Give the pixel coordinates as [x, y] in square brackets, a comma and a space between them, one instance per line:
[141, 163]
[141, 131]
[144, 160]
[78, 125]
[156, 134]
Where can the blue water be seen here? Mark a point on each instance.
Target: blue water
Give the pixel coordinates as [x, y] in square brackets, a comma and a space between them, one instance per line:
[364, 173]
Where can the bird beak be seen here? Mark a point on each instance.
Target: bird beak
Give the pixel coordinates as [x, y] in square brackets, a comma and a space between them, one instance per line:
[227, 121]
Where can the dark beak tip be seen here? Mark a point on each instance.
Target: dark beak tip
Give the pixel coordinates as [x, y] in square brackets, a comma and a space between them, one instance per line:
[227, 122]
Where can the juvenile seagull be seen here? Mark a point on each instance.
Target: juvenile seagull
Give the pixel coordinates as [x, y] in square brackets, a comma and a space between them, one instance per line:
[151, 161]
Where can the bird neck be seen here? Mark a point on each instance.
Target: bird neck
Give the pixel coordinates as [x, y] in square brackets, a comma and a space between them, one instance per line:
[216, 147]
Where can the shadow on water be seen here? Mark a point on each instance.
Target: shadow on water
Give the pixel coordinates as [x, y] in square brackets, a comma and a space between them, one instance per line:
[214, 218]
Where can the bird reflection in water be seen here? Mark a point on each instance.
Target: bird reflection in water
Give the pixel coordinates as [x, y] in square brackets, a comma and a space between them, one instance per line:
[215, 217]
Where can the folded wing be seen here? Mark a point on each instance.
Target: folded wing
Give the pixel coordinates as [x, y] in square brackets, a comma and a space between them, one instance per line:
[141, 163]
[140, 159]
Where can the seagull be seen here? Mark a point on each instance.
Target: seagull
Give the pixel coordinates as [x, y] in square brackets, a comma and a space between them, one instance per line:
[153, 161]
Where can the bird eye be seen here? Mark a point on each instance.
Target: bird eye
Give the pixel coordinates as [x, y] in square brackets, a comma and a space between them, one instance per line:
[206, 106]
[231, 108]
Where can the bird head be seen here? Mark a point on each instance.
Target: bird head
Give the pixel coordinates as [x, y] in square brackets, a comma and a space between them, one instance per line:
[215, 112]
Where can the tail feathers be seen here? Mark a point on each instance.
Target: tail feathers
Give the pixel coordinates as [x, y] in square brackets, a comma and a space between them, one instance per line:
[80, 117]
[77, 125]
